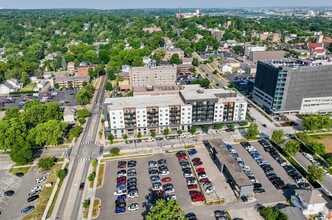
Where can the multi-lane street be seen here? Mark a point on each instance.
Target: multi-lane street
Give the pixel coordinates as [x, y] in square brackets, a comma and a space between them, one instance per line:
[81, 154]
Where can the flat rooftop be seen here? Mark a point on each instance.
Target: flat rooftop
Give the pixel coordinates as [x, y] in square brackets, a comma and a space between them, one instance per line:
[142, 101]
[300, 62]
[229, 161]
[145, 68]
[195, 92]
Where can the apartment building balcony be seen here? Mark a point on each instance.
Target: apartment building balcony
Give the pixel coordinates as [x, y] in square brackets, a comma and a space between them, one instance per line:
[129, 113]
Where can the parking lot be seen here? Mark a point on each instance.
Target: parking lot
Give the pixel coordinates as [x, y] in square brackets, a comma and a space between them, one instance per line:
[274, 195]
[105, 193]
[68, 95]
[11, 206]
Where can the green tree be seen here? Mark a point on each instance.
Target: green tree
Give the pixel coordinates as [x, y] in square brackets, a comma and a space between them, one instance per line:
[166, 131]
[195, 62]
[231, 126]
[237, 49]
[75, 131]
[108, 86]
[85, 94]
[278, 136]
[12, 113]
[153, 134]
[125, 136]
[211, 59]
[48, 133]
[62, 174]
[86, 203]
[269, 213]
[139, 134]
[318, 147]
[206, 128]
[192, 129]
[94, 162]
[111, 138]
[115, 151]
[165, 210]
[81, 121]
[92, 176]
[46, 163]
[292, 147]
[252, 131]
[218, 125]
[83, 113]
[202, 82]
[175, 59]
[180, 132]
[315, 173]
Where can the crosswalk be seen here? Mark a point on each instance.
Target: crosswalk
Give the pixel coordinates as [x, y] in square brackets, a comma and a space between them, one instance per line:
[82, 159]
[88, 142]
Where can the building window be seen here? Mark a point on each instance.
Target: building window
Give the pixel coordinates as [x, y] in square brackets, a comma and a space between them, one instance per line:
[113, 117]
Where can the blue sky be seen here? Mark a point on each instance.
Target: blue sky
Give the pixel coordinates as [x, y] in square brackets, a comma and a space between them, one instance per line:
[115, 4]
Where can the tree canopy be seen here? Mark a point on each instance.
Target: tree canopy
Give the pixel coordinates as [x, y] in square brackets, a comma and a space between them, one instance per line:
[166, 210]
[292, 147]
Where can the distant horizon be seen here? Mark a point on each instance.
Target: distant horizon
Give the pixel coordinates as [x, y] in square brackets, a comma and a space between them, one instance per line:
[155, 4]
[102, 9]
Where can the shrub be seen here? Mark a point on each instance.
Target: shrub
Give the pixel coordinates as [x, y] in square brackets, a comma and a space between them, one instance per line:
[115, 151]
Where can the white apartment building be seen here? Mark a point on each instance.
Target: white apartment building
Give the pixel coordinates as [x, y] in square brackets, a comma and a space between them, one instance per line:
[192, 105]
[251, 48]
[310, 202]
[142, 77]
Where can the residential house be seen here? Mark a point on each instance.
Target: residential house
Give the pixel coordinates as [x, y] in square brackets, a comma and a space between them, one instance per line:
[293, 213]
[15, 84]
[316, 49]
[310, 202]
[69, 115]
[125, 68]
[146, 60]
[71, 66]
[48, 75]
[217, 34]
[5, 88]
[42, 84]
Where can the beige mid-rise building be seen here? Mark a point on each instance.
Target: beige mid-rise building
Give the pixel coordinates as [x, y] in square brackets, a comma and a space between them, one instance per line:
[157, 76]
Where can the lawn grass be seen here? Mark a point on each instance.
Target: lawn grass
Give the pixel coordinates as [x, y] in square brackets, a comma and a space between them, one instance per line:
[44, 195]
[100, 175]
[325, 139]
[96, 208]
[50, 211]
[28, 87]
[24, 170]
[85, 213]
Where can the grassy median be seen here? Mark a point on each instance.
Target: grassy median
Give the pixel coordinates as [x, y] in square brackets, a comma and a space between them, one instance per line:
[44, 195]
[101, 174]
[24, 170]
[96, 208]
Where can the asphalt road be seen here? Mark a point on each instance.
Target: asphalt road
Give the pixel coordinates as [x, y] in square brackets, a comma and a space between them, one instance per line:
[212, 76]
[326, 182]
[86, 148]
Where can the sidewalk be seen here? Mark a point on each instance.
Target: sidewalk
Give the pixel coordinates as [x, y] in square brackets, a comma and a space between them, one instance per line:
[50, 200]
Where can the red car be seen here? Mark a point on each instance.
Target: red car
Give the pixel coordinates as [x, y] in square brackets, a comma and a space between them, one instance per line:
[197, 198]
[194, 193]
[121, 178]
[204, 180]
[47, 95]
[122, 164]
[192, 186]
[196, 159]
[198, 163]
[201, 169]
[166, 179]
[182, 157]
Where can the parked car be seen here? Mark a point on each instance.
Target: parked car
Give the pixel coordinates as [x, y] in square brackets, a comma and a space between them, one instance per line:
[122, 173]
[190, 216]
[122, 164]
[19, 174]
[9, 193]
[201, 169]
[192, 152]
[27, 209]
[244, 198]
[33, 198]
[209, 189]
[133, 207]
[36, 188]
[120, 210]
[131, 163]
[198, 163]
[166, 179]
[41, 179]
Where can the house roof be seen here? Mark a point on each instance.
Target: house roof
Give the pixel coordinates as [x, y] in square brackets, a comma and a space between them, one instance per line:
[310, 196]
[314, 45]
[69, 111]
[327, 41]
[293, 213]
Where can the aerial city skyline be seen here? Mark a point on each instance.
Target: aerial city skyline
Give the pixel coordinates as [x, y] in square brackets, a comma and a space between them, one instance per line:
[117, 4]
